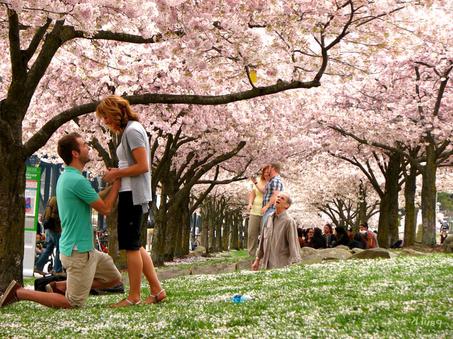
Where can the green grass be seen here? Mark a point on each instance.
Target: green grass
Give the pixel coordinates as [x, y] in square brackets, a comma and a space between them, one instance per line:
[404, 297]
[230, 257]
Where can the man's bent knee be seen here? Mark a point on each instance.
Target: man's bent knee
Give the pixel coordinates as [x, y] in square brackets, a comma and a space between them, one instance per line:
[115, 282]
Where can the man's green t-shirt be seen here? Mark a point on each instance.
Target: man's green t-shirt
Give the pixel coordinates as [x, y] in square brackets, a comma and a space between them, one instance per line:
[74, 196]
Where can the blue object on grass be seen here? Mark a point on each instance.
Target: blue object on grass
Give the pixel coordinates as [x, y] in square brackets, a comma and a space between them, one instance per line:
[239, 298]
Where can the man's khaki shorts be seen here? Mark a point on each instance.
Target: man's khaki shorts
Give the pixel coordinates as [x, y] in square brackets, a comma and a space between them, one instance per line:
[82, 269]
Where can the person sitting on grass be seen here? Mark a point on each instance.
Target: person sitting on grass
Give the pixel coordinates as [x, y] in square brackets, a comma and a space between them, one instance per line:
[315, 238]
[360, 240]
[371, 236]
[341, 237]
[301, 236]
[86, 267]
[328, 235]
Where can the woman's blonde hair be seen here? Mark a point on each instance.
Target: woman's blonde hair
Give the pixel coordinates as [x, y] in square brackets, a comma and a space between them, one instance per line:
[118, 109]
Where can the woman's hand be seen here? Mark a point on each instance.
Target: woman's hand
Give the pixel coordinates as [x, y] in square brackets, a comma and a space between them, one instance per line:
[111, 175]
[256, 265]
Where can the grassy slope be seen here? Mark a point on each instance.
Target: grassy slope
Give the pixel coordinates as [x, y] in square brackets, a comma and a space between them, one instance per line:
[403, 297]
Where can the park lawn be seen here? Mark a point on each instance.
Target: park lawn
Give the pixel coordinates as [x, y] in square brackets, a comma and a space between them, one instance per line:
[407, 297]
[226, 257]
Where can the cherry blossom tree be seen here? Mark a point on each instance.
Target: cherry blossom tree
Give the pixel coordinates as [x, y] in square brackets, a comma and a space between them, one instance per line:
[401, 106]
[413, 100]
[59, 57]
[336, 189]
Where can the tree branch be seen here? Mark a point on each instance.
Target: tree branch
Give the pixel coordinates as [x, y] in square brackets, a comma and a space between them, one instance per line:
[344, 31]
[440, 93]
[50, 47]
[40, 138]
[385, 147]
[37, 38]
[102, 152]
[17, 65]
[203, 196]
[117, 36]
[214, 162]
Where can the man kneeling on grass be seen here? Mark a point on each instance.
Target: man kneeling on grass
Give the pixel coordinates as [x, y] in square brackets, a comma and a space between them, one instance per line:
[279, 245]
[86, 267]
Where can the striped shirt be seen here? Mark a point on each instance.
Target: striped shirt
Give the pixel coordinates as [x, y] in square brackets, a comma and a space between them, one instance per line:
[275, 184]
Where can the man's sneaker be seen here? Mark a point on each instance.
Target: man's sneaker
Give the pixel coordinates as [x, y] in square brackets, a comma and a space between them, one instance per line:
[39, 272]
[10, 295]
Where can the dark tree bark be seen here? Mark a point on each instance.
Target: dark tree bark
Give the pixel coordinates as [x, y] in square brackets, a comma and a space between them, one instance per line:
[429, 197]
[235, 229]
[410, 221]
[388, 212]
[361, 207]
[205, 225]
[241, 228]
[226, 232]
[12, 186]
[185, 240]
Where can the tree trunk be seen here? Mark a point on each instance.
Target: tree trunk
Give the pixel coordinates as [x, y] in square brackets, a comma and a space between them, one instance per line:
[12, 212]
[167, 220]
[212, 234]
[429, 197]
[394, 221]
[246, 228]
[241, 228]
[235, 235]
[383, 228]
[361, 208]
[12, 187]
[226, 231]
[409, 201]
[173, 231]
[388, 213]
[186, 231]
[182, 243]
[160, 227]
[204, 228]
[218, 232]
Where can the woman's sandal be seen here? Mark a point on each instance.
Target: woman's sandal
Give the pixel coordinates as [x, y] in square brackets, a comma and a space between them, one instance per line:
[124, 303]
[156, 298]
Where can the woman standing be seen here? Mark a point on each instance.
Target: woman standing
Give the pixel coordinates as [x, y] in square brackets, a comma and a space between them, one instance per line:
[254, 207]
[135, 193]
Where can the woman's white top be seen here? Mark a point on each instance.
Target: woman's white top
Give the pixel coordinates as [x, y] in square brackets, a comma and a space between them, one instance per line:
[122, 163]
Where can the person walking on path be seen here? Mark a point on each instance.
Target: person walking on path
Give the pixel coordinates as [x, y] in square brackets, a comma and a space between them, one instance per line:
[86, 268]
[135, 194]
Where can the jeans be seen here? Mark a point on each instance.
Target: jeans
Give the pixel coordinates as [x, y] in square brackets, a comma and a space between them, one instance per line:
[266, 215]
[52, 241]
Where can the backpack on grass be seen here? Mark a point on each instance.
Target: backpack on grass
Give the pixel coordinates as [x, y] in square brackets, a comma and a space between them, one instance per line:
[40, 283]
